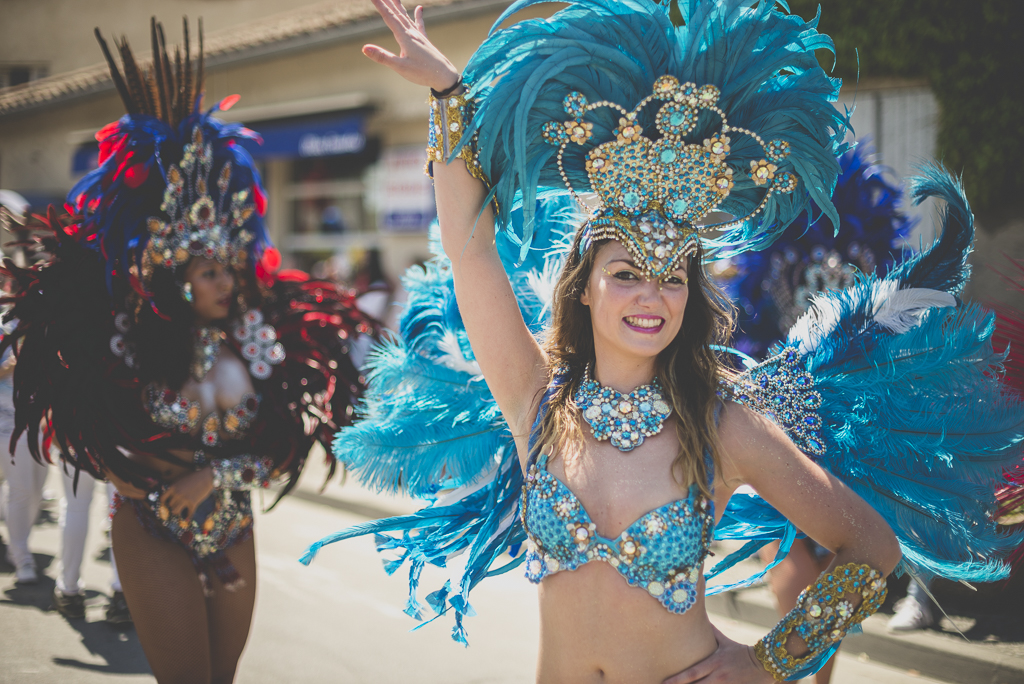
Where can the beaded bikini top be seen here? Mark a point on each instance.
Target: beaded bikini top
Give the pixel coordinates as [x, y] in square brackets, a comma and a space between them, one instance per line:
[171, 410]
[662, 552]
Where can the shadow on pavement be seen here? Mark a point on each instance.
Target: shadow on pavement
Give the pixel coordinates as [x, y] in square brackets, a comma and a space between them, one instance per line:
[118, 647]
[989, 612]
[35, 595]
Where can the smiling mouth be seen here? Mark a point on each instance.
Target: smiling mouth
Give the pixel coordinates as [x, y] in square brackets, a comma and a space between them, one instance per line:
[645, 324]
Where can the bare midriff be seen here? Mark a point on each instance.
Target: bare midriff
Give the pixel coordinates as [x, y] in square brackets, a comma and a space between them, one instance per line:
[163, 470]
[595, 627]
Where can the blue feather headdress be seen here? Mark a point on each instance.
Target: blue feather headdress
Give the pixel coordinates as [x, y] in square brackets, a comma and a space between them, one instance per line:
[172, 182]
[597, 60]
[773, 288]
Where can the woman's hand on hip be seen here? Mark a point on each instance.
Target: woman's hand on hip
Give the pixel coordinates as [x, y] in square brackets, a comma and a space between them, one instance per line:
[182, 497]
[731, 663]
[419, 61]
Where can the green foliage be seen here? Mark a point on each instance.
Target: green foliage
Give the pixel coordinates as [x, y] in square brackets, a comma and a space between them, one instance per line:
[971, 52]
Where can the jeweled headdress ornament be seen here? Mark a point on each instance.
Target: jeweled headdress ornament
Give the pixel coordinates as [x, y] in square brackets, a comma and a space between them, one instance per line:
[172, 182]
[655, 191]
[728, 112]
[195, 224]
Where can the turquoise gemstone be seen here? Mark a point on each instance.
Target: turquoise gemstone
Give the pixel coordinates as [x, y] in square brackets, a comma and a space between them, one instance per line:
[631, 198]
[668, 156]
[679, 206]
[676, 118]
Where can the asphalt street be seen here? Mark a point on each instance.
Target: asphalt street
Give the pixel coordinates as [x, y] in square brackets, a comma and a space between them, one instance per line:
[339, 620]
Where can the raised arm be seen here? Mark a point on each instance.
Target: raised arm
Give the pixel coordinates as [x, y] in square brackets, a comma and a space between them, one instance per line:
[512, 362]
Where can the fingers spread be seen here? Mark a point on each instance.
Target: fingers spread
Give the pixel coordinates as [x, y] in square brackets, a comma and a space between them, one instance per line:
[393, 14]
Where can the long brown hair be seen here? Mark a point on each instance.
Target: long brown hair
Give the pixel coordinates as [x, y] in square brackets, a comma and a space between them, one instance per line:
[689, 369]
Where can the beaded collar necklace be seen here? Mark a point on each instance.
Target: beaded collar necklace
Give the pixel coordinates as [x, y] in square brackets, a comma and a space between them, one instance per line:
[207, 347]
[625, 419]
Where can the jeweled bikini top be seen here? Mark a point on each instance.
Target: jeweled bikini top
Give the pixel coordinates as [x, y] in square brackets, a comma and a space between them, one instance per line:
[662, 552]
[171, 410]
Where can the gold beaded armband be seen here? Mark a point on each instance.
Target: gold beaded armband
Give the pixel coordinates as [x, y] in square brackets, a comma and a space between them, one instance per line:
[447, 122]
[822, 617]
[242, 472]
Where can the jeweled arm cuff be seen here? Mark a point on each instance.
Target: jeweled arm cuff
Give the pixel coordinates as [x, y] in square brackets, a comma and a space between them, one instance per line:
[448, 117]
[242, 472]
[822, 617]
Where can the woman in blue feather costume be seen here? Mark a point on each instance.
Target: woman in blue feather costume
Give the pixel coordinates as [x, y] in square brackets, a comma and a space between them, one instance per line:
[559, 379]
[774, 287]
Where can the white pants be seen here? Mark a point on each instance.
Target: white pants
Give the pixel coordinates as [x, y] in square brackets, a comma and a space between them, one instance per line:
[74, 528]
[24, 484]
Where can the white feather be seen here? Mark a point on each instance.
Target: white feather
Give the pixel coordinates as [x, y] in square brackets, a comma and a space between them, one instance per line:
[896, 310]
[902, 310]
[453, 357]
[542, 283]
[815, 325]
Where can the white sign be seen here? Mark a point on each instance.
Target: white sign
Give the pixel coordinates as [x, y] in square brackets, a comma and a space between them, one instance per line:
[406, 193]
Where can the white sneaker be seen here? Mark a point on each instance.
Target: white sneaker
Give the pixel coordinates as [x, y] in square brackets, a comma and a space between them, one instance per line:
[910, 615]
[26, 573]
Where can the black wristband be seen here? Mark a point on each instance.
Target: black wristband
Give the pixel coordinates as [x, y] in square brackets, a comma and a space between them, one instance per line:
[442, 94]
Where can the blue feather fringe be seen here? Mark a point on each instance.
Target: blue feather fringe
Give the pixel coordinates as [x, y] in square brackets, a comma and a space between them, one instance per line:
[916, 421]
[431, 428]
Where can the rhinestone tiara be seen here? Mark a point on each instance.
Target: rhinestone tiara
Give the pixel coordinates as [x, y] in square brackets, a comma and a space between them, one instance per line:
[654, 192]
[196, 225]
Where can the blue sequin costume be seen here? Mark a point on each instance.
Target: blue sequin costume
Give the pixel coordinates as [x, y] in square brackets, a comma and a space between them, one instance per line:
[662, 552]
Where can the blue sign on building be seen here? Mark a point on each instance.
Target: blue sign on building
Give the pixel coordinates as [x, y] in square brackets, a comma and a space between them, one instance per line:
[320, 138]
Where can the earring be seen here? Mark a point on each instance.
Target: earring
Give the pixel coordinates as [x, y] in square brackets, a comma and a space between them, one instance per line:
[186, 292]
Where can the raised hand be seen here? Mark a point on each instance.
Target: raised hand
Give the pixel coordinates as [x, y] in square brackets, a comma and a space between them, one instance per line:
[419, 61]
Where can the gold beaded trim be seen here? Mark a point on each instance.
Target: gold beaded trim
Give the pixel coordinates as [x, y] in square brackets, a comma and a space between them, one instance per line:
[822, 617]
[447, 122]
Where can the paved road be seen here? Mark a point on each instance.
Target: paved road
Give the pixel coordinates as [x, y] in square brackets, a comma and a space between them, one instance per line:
[339, 620]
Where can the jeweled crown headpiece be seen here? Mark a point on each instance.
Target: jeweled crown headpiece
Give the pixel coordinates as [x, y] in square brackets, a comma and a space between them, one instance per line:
[745, 122]
[196, 225]
[654, 192]
[172, 183]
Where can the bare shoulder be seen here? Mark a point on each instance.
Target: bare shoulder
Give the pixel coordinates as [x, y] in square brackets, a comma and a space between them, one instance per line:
[738, 425]
[231, 379]
[750, 442]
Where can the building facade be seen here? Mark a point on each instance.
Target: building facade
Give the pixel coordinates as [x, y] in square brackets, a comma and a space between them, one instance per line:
[343, 137]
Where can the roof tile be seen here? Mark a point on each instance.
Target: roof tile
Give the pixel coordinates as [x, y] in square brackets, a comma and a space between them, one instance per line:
[305, 21]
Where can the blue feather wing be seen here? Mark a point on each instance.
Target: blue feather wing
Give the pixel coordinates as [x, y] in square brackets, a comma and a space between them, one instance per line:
[913, 416]
[431, 428]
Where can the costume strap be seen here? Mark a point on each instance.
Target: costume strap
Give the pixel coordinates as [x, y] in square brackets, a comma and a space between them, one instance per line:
[822, 617]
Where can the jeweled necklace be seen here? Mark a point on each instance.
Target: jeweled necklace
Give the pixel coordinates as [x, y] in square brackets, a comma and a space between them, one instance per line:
[206, 350]
[626, 420]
